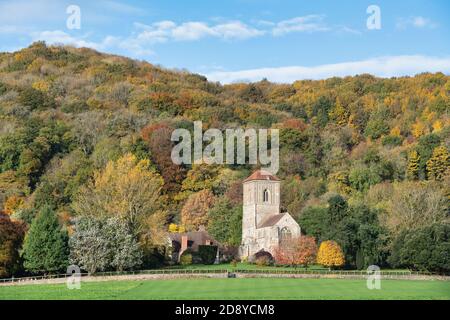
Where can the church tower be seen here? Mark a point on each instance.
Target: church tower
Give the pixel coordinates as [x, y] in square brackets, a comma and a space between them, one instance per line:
[261, 198]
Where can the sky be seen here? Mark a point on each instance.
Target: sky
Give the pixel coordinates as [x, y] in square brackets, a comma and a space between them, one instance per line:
[245, 40]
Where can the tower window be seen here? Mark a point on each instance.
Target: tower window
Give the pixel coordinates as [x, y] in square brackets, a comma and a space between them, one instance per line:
[266, 196]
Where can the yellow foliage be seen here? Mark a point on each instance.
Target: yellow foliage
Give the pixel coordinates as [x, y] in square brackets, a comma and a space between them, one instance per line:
[13, 203]
[127, 188]
[418, 129]
[330, 254]
[439, 163]
[41, 85]
[395, 132]
[437, 126]
[194, 213]
[173, 228]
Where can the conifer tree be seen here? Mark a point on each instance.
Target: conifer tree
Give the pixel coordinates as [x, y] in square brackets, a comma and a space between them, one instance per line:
[45, 247]
[438, 164]
[412, 170]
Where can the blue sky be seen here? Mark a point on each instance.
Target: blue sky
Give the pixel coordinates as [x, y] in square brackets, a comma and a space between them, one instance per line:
[246, 40]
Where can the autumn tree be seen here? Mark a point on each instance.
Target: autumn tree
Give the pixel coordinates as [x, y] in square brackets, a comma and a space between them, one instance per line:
[439, 163]
[158, 138]
[11, 237]
[126, 188]
[300, 251]
[413, 168]
[195, 211]
[330, 254]
[13, 203]
[414, 204]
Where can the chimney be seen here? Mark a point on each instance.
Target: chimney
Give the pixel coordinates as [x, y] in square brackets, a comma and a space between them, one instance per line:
[184, 243]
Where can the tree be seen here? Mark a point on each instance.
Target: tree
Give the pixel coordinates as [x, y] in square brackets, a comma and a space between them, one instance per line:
[413, 168]
[315, 222]
[439, 163]
[13, 203]
[89, 248]
[299, 251]
[225, 222]
[307, 251]
[45, 246]
[337, 209]
[330, 254]
[424, 249]
[100, 244]
[158, 139]
[195, 211]
[11, 237]
[126, 188]
[414, 205]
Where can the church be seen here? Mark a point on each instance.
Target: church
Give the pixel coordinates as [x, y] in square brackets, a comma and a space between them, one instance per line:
[264, 226]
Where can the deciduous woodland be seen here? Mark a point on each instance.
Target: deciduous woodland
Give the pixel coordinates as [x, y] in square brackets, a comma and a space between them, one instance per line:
[86, 175]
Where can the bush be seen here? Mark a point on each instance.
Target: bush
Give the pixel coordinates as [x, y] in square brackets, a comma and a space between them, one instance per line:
[262, 258]
[35, 99]
[263, 261]
[186, 258]
[392, 141]
[207, 254]
[153, 257]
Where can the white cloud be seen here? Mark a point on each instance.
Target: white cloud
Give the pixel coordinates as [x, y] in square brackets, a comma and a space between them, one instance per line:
[391, 66]
[416, 22]
[163, 31]
[236, 30]
[189, 31]
[310, 23]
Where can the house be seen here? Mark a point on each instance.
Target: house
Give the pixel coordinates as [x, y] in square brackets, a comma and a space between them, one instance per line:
[190, 240]
[264, 226]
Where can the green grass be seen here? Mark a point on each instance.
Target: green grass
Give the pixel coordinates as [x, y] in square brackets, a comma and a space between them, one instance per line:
[241, 288]
[252, 266]
[240, 266]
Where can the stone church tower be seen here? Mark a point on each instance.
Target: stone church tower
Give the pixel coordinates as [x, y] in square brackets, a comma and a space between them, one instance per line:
[263, 225]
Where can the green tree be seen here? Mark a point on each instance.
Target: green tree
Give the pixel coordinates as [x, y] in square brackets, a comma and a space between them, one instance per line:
[425, 149]
[424, 249]
[45, 247]
[225, 222]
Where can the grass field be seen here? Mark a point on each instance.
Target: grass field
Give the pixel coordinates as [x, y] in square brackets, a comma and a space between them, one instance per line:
[243, 288]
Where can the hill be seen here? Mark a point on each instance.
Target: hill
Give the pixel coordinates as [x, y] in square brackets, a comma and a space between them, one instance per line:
[367, 152]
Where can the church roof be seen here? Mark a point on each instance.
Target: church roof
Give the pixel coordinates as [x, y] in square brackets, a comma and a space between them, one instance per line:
[261, 175]
[271, 220]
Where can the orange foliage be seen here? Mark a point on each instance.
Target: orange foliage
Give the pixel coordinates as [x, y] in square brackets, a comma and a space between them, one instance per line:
[299, 251]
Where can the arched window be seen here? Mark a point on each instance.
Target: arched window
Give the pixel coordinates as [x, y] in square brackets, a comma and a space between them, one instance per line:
[266, 196]
[285, 235]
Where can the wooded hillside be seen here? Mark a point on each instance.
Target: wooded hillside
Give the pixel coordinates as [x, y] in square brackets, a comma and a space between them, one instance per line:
[88, 134]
